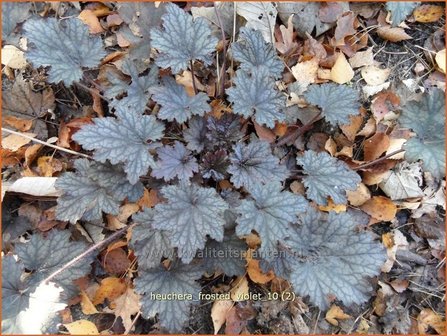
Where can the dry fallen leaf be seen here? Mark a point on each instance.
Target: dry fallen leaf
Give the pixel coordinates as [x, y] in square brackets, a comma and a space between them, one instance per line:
[428, 13]
[440, 60]
[428, 318]
[383, 103]
[149, 199]
[375, 146]
[393, 34]
[13, 141]
[20, 124]
[88, 308]
[240, 289]
[352, 128]
[116, 261]
[331, 206]
[254, 271]
[119, 221]
[110, 288]
[380, 208]
[345, 27]
[13, 57]
[374, 75]
[341, 72]
[362, 58]
[82, 327]
[127, 305]
[359, 196]
[336, 313]
[90, 19]
[219, 312]
[264, 133]
[305, 72]
[285, 42]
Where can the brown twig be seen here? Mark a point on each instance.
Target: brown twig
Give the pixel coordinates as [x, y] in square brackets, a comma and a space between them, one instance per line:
[45, 143]
[86, 253]
[383, 158]
[192, 76]
[300, 131]
[224, 51]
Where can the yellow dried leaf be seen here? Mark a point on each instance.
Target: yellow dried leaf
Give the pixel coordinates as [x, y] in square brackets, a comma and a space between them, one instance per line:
[82, 327]
[341, 72]
[111, 288]
[87, 305]
[336, 313]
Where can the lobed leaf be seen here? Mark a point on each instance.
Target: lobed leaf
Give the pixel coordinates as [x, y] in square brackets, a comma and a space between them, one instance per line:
[191, 214]
[182, 40]
[400, 10]
[127, 139]
[427, 119]
[94, 188]
[150, 245]
[176, 104]
[255, 95]
[253, 164]
[137, 92]
[327, 177]
[254, 53]
[174, 162]
[179, 279]
[269, 213]
[331, 259]
[64, 46]
[337, 102]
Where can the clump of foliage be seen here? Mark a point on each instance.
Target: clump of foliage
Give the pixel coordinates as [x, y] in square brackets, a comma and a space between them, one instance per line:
[321, 255]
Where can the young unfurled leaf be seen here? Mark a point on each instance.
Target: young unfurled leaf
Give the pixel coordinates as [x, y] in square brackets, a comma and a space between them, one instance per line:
[92, 189]
[255, 94]
[269, 213]
[22, 303]
[190, 214]
[337, 102]
[175, 162]
[150, 245]
[176, 104]
[427, 119]
[224, 131]
[182, 40]
[214, 165]
[226, 256]
[327, 176]
[179, 279]
[64, 46]
[254, 53]
[400, 10]
[123, 140]
[253, 164]
[43, 256]
[331, 259]
[195, 134]
[137, 92]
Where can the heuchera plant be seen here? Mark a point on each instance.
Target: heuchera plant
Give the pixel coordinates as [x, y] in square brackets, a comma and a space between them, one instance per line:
[321, 255]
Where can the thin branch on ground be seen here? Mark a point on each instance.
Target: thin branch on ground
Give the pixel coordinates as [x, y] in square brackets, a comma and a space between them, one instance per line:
[376, 161]
[224, 52]
[46, 143]
[193, 77]
[91, 249]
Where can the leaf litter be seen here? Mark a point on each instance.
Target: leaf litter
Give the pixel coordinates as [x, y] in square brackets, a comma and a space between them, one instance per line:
[312, 130]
